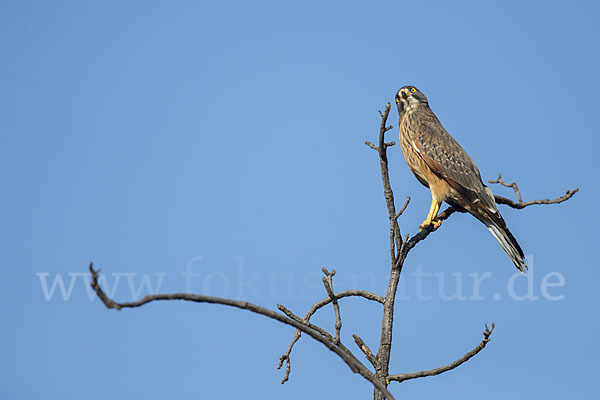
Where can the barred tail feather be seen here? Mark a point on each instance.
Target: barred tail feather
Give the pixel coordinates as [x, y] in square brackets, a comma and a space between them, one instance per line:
[508, 243]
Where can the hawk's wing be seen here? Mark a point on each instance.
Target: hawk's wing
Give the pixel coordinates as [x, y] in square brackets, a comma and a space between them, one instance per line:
[444, 156]
[450, 161]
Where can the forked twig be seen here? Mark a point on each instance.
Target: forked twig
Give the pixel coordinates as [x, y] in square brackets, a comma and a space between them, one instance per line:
[510, 185]
[315, 307]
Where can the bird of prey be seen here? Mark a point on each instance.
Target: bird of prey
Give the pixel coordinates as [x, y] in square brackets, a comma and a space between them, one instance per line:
[442, 165]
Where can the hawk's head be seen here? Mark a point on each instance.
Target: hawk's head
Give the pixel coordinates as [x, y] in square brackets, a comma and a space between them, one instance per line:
[408, 99]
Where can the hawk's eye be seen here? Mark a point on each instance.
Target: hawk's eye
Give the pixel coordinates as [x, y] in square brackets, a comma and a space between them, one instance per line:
[412, 89]
[397, 99]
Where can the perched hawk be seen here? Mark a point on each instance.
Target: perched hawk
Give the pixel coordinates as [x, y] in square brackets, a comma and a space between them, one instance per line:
[439, 163]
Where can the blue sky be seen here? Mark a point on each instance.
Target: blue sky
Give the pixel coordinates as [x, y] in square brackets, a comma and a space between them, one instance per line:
[226, 139]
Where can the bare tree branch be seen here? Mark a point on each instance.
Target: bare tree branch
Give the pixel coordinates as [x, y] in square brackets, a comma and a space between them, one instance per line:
[499, 200]
[403, 207]
[350, 360]
[395, 236]
[347, 293]
[296, 318]
[328, 283]
[318, 329]
[510, 185]
[520, 204]
[322, 331]
[371, 145]
[396, 244]
[421, 374]
[288, 364]
[365, 349]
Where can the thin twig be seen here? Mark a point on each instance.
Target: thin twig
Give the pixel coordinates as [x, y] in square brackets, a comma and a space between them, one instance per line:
[288, 367]
[371, 145]
[328, 283]
[402, 253]
[286, 357]
[521, 205]
[510, 185]
[421, 374]
[395, 236]
[352, 362]
[396, 243]
[403, 208]
[367, 352]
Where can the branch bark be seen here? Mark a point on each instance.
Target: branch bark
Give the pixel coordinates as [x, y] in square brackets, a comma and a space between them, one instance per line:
[366, 351]
[347, 293]
[396, 245]
[431, 372]
[328, 283]
[520, 204]
[355, 365]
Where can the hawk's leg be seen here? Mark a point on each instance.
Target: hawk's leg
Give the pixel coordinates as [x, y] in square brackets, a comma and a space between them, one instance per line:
[432, 218]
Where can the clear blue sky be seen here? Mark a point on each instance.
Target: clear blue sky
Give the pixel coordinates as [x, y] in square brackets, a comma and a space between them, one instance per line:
[228, 137]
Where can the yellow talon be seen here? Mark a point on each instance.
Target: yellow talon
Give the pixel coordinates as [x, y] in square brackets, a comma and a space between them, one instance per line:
[432, 218]
[436, 224]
